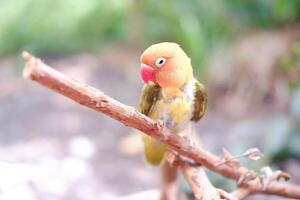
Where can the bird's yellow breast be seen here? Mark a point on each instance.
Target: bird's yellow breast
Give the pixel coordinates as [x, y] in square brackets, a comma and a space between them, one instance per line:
[174, 110]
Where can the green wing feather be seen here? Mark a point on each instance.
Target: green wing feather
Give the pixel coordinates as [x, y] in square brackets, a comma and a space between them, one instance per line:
[199, 102]
[149, 96]
[153, 149]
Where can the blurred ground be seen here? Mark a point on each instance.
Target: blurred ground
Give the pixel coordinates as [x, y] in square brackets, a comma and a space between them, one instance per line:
[52, 148]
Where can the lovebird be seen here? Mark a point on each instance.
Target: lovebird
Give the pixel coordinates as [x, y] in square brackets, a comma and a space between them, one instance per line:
[171, 94]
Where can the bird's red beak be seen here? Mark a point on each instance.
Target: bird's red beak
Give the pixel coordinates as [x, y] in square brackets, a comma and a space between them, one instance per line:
[147, 73]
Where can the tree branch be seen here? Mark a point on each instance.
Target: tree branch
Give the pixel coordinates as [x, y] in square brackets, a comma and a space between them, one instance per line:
[197, 178]
[88, 96]
[199, 183]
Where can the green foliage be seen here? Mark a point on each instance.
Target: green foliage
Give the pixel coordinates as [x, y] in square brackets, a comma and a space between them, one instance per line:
[103, 24]
[265, 12]
[59, 27]
[56, 27]
[291, 60]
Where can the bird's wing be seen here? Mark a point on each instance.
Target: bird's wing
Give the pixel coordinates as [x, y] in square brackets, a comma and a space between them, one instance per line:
[153, 149]
[149, 96]
[200, 101]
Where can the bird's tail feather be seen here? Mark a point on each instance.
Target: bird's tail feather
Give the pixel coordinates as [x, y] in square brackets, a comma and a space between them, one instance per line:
[153, 150]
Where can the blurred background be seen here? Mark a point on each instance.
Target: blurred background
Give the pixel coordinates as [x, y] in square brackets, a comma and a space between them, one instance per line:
[247, 53]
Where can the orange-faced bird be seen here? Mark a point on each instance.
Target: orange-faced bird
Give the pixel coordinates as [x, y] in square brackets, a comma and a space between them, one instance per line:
[171, 94]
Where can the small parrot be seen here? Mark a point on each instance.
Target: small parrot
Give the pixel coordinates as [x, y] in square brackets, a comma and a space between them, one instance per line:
[171, 94]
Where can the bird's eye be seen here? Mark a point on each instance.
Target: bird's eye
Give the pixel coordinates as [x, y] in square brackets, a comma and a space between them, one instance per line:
[160, 62]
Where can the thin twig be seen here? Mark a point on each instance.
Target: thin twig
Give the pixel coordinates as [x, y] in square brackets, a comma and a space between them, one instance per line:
[88, 96]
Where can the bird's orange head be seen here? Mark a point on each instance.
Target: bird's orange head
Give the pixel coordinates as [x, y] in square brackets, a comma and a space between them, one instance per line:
[166, 64]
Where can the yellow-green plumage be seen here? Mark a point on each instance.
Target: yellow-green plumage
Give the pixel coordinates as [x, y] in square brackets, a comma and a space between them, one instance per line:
[176, 111]
[153, 150]
[171, 94]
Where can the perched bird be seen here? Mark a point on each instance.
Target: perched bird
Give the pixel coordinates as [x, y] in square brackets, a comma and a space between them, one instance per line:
[170, 94]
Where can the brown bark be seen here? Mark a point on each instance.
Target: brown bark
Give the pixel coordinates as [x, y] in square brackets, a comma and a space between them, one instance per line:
[199, 183]
[88, 96]
[170, 189]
